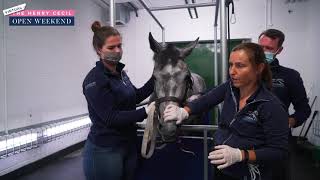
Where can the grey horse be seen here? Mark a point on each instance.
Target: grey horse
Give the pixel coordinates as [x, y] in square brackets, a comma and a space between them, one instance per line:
[174, 83]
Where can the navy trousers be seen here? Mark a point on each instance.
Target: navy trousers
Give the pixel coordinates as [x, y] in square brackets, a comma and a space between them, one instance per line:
[109, 163]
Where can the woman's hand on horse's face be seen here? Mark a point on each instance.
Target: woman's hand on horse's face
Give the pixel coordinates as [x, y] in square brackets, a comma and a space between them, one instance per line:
[175, 113]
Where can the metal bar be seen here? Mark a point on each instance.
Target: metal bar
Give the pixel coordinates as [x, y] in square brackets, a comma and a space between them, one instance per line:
[304, 123]
[183, 137]
[112, 13]
[195, 137]
[311, 121]
[205, 155]
[216, 14]
[199, 128]
[182, 6]
[270, 14]
[186, 2]
[5, 75]
[195, 9]
[215, 62]
[194, 128]
[134, 8]
[215, 66]
[223, 35]
[151, 14]
[266, 14]
[163, 37]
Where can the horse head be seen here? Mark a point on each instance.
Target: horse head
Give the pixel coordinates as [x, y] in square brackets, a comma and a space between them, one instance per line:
[172, 81]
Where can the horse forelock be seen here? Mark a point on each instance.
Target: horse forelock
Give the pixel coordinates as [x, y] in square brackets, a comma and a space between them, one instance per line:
[169, 55]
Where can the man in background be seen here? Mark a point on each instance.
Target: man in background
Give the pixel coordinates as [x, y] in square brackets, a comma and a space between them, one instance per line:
[287, 85]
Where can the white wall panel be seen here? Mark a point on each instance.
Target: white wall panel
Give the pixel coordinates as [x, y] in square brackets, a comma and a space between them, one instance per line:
[46, 65]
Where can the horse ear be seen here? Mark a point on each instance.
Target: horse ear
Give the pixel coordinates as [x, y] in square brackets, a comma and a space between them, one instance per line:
[154, 45]
[188, 49]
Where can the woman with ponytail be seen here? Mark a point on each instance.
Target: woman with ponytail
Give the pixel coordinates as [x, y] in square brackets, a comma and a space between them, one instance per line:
[111, 148]
[253, 125]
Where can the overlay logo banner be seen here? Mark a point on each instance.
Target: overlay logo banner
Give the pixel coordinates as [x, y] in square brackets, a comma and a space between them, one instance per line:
[42, 18]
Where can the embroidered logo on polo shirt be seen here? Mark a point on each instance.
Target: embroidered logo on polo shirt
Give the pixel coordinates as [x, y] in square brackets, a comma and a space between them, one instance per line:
[278, 83]
[90, 85]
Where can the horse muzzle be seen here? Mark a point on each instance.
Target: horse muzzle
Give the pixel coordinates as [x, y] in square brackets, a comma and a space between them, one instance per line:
[168, 131]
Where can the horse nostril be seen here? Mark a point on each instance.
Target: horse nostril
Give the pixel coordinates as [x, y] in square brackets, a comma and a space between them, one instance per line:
[168, 132]
[168, 128]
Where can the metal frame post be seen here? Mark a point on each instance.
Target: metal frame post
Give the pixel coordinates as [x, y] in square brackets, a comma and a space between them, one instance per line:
[205, 154]
[223, 35]
[215, 62]
[112, 13]
[215, 26]
[183, 6]
[6, 126]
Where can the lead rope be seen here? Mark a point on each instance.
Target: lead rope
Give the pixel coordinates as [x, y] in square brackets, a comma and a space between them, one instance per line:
[149, 135]
[183, 149]
[254, 171]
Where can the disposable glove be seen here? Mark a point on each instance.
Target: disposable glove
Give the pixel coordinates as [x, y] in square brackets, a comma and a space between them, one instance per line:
[225, 156]
[193, 97]
[175, 113]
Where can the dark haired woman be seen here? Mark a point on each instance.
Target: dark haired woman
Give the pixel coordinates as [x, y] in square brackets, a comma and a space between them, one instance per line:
[111, 149]
[253, 126]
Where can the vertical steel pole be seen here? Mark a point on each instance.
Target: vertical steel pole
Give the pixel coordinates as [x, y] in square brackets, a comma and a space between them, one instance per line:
[205, 154]
[112, 13]
[5, 103]
[223, 35]
[163, 36]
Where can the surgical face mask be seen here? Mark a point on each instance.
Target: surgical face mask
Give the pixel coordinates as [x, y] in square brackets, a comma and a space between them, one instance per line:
[269, 57]
[114, 57]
